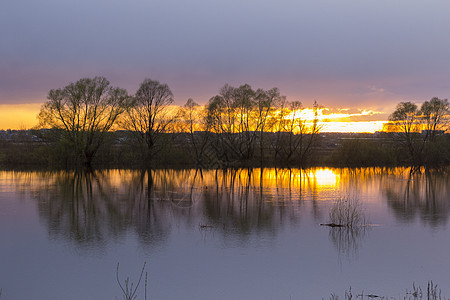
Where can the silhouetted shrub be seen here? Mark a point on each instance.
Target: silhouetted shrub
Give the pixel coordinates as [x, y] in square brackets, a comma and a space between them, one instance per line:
[358, 152]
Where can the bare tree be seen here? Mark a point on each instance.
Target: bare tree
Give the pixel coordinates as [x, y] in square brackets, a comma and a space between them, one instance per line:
[435, 116]
[293, 125]
[417, 130]
[84, 112]
[404, 121]
[295, 136]
[194, 122]
[435, 119]
[148, 116]
[239, 117]
[266, 104]
[226, 114]
[244, 104]
[277, 124]
[309, 135]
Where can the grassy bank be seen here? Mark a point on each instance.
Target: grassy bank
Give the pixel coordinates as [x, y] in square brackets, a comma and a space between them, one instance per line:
[28, 149]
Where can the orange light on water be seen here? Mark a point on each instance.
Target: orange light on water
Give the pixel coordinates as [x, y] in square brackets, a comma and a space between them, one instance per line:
[324, 178]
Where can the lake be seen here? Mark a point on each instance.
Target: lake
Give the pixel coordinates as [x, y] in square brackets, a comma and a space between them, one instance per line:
[215, 234]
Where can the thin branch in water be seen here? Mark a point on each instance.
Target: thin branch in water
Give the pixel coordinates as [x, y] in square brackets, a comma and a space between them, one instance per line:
[128, 292]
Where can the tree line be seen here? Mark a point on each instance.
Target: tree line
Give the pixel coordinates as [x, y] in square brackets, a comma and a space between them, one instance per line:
[420, 132]
[91, 121]
[239, 126]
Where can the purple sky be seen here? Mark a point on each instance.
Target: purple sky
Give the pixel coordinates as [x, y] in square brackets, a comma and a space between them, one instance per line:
[359, 53]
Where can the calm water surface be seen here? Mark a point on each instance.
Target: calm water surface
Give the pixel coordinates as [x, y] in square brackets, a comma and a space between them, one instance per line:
[237, 234]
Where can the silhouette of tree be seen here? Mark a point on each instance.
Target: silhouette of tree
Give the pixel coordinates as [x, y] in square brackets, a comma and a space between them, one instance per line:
[295, 136]
[435, 116]
[84, 112]
[417, 131]
[405, 122]
[238, 117]
[194, 122]
[148, 116]
[267, 102]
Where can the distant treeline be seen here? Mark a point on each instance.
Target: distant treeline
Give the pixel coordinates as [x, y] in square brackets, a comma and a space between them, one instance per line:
[36, 149]
[89, 123]
[119, 149]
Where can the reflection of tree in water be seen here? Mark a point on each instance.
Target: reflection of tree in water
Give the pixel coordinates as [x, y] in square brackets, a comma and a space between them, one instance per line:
[75, 206]
[262, 200]
[91, 209]
[348, 225]
[236, 203]
[169, 195]
[420, 194]
[348, 240]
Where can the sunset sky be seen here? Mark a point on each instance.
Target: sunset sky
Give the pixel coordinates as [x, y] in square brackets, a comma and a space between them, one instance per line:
[351, 56]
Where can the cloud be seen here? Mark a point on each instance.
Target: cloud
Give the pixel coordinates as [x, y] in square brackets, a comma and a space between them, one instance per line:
[352, 115]
[377, 90]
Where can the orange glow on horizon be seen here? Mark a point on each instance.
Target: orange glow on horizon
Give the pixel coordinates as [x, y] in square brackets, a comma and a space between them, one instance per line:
[356, 127]
[19, 116]
[340, 122]
[24, 116]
